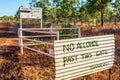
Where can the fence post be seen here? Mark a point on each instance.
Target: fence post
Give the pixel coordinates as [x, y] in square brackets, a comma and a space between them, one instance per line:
[79, 34]
[41, 23]
[20, 40]
[20, 36]
[58, 35]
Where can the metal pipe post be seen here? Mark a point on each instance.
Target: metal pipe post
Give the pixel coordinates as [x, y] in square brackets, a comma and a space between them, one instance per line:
[79, 34]
[58, 35]
[41, 23]
[20, 36]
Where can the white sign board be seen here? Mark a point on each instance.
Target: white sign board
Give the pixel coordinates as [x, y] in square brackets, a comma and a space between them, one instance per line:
[83, 56]
[34, 13]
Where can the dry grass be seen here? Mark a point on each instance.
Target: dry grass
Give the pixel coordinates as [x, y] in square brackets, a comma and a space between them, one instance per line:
[35, 66]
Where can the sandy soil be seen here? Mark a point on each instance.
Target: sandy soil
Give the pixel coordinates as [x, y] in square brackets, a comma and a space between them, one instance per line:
[34, 66]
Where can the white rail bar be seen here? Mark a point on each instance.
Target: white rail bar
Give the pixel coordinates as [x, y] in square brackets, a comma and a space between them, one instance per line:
[39, 51]
[48, 28]
[49, 32]
[69, 35]
[48, 36]
[38, 36]
[39, 41]
[31, 44]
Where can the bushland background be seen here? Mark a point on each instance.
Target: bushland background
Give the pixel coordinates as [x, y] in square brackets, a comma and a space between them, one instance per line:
[94, 17]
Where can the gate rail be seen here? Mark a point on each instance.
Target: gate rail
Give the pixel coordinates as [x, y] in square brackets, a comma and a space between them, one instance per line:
[28, 37]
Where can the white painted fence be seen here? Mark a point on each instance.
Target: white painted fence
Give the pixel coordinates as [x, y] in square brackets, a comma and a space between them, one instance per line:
[83, 56]
[49, 33]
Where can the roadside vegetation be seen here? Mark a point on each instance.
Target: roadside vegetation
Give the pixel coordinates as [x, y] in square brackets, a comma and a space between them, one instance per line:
[91, 12]
[94, 17]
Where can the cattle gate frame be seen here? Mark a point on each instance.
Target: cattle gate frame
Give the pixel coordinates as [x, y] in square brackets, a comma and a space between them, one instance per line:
[36, 13]
[46, 32]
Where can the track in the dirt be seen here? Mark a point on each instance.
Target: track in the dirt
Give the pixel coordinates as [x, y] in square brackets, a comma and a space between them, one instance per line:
[8, 40]
[6, 30]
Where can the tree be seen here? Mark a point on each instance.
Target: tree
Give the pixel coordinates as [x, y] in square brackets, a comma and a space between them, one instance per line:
[17, 15]
[57, 9]
[116, 7]
[7, 18]
[84, 12]
[98, 5]
[68, 9]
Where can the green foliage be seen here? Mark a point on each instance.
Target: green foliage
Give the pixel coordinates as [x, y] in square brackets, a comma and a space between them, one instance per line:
[67, 31]
[7, 18]
[98, 5]
[116, 8]
[11, 18]
[57, 9]
[67, 11]
[17, 15]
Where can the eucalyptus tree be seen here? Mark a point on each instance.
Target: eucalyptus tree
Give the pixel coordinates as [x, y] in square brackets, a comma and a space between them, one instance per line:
[109, 14]
[98, 5]
[68, 9]
[57, 9]
[44, 4]
[116, 7]
[84, 13]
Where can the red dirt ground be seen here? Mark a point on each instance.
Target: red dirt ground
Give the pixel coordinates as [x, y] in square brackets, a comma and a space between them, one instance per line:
[32, 66]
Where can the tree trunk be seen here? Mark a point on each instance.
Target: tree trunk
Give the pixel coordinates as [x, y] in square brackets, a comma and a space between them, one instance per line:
[115, 21]
[102, 17]
[74, 20]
